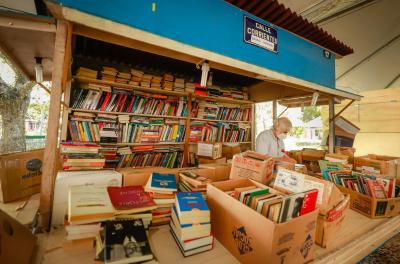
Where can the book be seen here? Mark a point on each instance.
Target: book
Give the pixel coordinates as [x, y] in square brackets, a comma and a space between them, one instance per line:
[125, 241]
[376, 189]
[309, 202]
[195, 180]
[189, 231]
[130, 199]
[191, 208]
[161, 182]
[89, 204]
[192, 247]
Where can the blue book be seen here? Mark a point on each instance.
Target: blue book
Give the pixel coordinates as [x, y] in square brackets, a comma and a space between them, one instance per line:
[162, 182]
[175, 215]
[191, 208]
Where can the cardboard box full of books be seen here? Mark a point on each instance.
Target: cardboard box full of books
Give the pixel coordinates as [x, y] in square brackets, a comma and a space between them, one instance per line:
[20, 174]
[331, 202]
[253, 238]
[378, 164]
[253, 165]
[370, 206]
[209, 150]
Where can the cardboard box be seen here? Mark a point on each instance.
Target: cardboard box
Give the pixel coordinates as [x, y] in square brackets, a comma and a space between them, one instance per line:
[308, 157]
[251, 237]
[209, 150]
[331, 202]
[378, 164]
[221, 170]
[253, 165]
[346, 151]
[209, 160]
[230, 150]
[372, 207]
[140, 176]
[20, 174]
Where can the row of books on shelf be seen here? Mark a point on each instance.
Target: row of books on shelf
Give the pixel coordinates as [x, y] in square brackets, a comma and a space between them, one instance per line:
[166, 81]
[276, 206]
[136, 131]
[91, 156]
[103, 98]
[214, 110]
[219, 132]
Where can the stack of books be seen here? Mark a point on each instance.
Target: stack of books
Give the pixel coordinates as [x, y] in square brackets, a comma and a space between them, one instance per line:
[179, 85]
[189, 87]
[190, 225]
[110, 155]
[123, 77]
[109, 74]
[189, 181]
[237, 93]
[86, 73]
[109, 133]
[214, 91]
[162, 187]
[168, 82]
[226, 92]
[146, 80]
[76, 232]
[123, 241]
[132, 202]
[276, 207]
[136, 77]
[106, 118]
[200, 90]
[156, 82]
[81, 127]
[81, 156]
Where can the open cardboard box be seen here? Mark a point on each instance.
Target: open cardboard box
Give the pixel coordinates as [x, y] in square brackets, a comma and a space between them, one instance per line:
[221, 170]
[370, 206]
[253, 238]
[379, 164]
[331, 202]
[253, 165]
[140, 176]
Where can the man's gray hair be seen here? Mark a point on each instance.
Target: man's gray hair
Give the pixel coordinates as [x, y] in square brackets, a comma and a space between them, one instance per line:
[282, 122]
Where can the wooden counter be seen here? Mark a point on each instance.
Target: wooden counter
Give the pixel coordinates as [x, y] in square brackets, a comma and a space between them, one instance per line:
[358, 237]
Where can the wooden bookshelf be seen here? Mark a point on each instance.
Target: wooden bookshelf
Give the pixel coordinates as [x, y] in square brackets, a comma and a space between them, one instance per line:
[124, 113]
[129, 86]
[244, 142]
[142, 144]
[217, 120]
[223, 100]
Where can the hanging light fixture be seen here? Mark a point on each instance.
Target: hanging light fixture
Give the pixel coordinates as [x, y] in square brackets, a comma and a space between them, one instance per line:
[314, 98]
[39, 69]
[205, 68]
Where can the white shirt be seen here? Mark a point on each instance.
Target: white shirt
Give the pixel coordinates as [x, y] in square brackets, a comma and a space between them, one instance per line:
[267, 143]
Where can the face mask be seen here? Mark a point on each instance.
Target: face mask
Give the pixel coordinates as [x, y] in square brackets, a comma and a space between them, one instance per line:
[282, 136]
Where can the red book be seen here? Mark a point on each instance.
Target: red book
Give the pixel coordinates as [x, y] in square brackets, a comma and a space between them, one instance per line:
[309, 202]
[106, 99]
[122, 103]
[130, 199]
[376, 189]
[118, 102]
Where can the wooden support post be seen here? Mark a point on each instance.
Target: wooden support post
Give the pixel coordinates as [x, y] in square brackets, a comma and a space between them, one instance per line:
[344, 108]
[274, 110]
[331, 143]
[187, 132]
[50, 153]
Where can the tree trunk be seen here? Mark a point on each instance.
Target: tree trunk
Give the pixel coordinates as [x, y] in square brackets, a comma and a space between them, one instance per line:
[13, 122]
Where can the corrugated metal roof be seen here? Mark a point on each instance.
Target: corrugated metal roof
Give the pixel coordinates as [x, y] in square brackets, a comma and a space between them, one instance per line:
[277, 14]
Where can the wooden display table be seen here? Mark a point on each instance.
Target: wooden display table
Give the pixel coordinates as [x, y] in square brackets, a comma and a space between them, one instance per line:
[358, 237]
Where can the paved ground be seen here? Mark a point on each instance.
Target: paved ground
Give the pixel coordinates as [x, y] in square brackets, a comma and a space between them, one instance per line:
[388, 253]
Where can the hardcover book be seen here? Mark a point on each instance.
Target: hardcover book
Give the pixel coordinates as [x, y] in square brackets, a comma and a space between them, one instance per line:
[161, 182]
[130, 199]
[192, 208]
[126, 242]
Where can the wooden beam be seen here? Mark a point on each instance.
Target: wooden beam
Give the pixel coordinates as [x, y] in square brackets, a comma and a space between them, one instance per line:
[331, 142]
[341, 111]
[49, 92]
[26, 23]
[187, 132]
[50, 152]
[283, 112]
[274, 110]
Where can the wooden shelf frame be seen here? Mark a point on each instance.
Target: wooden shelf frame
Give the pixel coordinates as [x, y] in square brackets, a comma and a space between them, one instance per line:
[125, 113]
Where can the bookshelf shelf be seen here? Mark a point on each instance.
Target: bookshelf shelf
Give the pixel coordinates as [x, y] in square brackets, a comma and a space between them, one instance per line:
[223, 100]
[124, 113]
[217, 120]
[225, 143]
[142, 144]
[129, 86]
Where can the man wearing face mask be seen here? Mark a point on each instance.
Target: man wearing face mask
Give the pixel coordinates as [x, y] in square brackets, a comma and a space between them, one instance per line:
[270, 142]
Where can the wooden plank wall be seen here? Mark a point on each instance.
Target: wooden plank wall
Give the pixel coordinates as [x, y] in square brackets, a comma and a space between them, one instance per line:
[378, 116]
